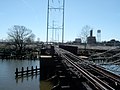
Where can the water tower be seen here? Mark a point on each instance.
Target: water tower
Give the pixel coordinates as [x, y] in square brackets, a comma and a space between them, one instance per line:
[98, 35]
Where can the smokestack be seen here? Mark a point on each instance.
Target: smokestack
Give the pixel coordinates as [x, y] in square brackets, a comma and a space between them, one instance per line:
[91, 33]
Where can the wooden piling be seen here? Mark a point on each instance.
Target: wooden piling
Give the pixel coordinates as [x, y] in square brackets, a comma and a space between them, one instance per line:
[22, 71]
[32, 70]
[16, 72]
[36, 69]
[27, 70]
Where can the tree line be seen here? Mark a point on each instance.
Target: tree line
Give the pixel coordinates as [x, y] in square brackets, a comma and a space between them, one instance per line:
[19, 37]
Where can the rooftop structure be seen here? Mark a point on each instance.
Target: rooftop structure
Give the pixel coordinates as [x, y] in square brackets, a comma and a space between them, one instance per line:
[91, 39]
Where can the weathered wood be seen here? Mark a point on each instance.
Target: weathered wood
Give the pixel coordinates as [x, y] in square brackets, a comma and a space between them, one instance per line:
[32, 70]
[16, 72]
[27, 71]
[22, 71]
[36, 70]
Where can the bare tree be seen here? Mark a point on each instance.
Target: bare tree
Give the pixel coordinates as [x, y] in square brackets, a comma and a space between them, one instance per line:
[20, 36]
[84, 34]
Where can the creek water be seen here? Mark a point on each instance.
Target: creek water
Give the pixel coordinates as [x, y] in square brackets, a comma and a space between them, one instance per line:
[110, 67]
[7, 75]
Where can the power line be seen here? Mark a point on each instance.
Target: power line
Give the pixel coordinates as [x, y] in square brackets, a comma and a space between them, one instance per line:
[51, 20]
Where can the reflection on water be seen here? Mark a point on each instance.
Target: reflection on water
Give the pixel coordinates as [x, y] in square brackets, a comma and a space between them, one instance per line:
[26, 78]
[7, 75]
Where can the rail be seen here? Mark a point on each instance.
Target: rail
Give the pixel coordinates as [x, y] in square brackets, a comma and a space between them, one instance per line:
[97, 82]
[100, 85]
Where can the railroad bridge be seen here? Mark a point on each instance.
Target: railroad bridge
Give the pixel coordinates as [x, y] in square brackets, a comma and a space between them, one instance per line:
[68, 71]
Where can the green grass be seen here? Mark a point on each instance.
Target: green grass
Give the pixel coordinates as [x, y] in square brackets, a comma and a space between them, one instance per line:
[45, 85]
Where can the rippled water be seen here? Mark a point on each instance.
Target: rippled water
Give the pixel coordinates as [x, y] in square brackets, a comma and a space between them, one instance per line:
[7, 75]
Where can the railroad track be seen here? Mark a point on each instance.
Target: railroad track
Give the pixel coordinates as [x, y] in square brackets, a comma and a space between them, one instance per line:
[99, 78]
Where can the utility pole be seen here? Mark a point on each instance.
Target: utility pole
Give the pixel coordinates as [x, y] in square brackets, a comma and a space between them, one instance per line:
[63, 22]
[47, 22]
[55, 13]
[53, 32]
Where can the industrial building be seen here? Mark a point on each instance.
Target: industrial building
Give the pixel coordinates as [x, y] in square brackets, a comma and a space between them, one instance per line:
[91, 39]
[77, 41]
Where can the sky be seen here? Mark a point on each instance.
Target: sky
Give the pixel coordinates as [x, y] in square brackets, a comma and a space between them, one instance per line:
[101, 15]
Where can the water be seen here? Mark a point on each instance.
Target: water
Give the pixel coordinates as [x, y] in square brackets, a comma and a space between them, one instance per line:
[7, 75]
[110, 67]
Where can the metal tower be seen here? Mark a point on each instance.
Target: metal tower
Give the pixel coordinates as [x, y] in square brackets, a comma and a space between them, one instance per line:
[55, 20]
[98, 35]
